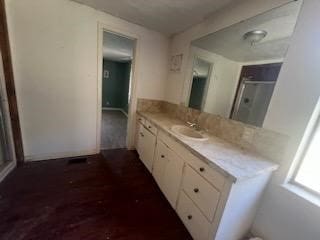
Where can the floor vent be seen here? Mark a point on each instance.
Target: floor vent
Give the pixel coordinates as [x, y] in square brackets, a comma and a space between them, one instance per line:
[77, 160]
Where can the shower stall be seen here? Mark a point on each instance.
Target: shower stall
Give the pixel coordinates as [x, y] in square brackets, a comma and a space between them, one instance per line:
[252, 101]
[254, 92]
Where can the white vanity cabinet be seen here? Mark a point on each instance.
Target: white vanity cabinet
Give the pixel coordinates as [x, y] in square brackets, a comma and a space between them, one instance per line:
[167, 171]
[201, 192]
[146, 144]
[212, 204]
[139, 142]
[193, 219]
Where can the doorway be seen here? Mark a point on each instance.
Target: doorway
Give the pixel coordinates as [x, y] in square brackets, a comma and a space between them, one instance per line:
[117, 62]
[199, 86]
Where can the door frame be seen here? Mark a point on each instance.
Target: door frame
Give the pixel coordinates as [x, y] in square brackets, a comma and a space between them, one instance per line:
[9, 85]
[12, 161]
[206, 88]
[102, 27]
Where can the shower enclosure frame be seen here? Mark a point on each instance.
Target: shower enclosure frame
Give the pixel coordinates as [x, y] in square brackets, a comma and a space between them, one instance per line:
[241, 91]
[265, 72]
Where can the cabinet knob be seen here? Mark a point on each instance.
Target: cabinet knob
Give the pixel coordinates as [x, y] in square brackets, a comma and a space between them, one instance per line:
[149, 127]
[141, 134]
[201, 169]
[162, 156]
[196, 190]
[189, 217]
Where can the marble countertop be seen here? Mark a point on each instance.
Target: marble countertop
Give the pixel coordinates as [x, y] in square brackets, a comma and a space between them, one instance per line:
[231, 160]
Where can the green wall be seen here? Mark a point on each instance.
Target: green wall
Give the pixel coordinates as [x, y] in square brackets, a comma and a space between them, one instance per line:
[115, 88]
[197, 91]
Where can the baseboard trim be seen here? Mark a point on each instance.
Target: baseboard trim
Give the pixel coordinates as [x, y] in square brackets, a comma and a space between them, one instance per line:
[115, 109]
[7, 169]
[45, 157]
[110, 108]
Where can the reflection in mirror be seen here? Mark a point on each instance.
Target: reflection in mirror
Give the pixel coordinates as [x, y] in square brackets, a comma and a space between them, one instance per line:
[233, 72]
[199, 86]
[254, 93]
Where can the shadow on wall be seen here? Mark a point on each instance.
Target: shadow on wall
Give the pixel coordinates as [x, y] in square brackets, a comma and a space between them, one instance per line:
[115, 86]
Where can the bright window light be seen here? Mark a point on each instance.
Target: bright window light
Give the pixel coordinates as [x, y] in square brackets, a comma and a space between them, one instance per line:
[308, 172]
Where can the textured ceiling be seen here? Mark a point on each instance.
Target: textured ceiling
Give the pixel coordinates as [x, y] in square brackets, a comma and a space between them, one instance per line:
[166, 16]
[117, 48]
[279, 23]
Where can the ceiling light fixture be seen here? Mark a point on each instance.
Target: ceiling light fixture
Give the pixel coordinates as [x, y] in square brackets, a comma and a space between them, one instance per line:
[254, 36]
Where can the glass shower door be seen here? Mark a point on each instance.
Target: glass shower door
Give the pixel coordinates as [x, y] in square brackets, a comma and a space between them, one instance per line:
[253, 101]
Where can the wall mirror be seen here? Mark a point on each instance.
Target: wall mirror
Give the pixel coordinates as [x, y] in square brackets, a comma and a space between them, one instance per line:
[233, 72]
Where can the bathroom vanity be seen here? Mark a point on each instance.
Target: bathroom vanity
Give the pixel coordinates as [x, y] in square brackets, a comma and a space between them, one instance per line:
[214, 186]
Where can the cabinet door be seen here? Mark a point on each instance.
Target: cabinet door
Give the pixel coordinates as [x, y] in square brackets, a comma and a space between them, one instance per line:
[172, 176]
[160, 162]
[148, 142]
[140, 139]
[167, 171]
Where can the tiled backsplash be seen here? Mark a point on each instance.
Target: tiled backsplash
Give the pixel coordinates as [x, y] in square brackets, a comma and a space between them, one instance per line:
[267, 143]
[148, 105]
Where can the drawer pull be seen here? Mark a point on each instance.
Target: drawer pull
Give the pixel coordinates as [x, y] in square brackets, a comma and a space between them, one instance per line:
[141, 134]
[201, 169]
[189, 217]
[196, 190]
[140, 119]
[162, 156]
[149, 127]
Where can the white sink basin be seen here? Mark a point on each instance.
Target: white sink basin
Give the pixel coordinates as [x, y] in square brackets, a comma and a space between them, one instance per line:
[188, 133]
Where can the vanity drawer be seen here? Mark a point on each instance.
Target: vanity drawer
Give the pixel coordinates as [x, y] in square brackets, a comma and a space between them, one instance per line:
[208, 172]
[195, 222]
[141, 120]
[173, 145]
[213, 176]
[151, 127]
[205, 196]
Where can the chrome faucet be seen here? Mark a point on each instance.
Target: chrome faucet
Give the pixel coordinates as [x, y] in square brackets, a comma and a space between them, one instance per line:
[195, 126]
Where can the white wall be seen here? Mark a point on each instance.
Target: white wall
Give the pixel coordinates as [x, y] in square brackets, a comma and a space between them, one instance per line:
[234, 13]
[284, 215]
[223, 86]
[54, 51]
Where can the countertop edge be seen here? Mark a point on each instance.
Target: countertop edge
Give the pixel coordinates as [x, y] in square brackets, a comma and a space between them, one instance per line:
[233, 178]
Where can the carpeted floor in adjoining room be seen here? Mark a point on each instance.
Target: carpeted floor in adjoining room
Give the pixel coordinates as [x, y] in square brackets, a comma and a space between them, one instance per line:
[113, 129]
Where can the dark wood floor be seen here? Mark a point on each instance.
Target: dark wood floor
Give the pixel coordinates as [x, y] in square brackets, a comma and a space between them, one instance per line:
[112, 196]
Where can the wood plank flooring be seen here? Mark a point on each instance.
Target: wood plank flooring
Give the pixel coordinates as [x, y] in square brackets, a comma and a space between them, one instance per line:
[111, 196]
